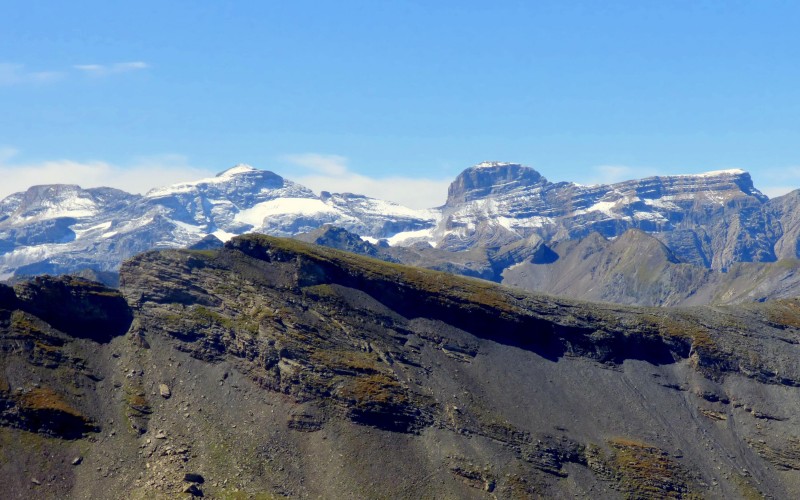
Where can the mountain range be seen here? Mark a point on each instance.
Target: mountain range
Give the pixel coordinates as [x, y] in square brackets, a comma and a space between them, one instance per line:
[502, 221]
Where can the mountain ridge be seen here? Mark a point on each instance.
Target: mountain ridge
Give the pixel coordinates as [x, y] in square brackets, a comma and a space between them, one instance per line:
[276, 367]
[713, 220]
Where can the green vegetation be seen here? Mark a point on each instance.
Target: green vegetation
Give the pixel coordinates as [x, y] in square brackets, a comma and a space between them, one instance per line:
[23, 323]
[680, 327]
[44, 398]
[371, 390]
[137, 407]
[137, 402]
[208, 254]
[746, 488]
[785, 313]
[320, 291]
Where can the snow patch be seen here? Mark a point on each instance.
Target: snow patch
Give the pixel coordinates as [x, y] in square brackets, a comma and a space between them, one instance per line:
[492, 164]
[662, 203]
[533, 222]
[239, 168]
[283, 206]
[76, 208]
[187, 227]
[653, 216]
[601, 206]
[409, 237]
[223, 235]
[518, 264]
[79, 232]
[716, 173]
[506, 222]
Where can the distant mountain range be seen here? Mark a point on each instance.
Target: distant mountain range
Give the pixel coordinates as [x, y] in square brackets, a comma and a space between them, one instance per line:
[499, 218]
[63, 228]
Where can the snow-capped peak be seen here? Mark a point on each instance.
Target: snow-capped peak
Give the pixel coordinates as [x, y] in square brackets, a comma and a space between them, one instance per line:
[715, 173]
[220, 178]
[492, 164]
[239, 168]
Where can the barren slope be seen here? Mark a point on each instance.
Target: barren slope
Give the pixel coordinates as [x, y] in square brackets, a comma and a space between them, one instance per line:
[297, 370]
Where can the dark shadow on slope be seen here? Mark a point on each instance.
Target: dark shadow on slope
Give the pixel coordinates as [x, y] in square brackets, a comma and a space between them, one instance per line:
[77, 307]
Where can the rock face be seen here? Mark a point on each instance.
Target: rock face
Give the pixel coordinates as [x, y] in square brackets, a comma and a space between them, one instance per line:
[342, 239]
[493, 179]
[636, 268]
[76, 306]
[47, 332]
[712, 219]
[303, 371]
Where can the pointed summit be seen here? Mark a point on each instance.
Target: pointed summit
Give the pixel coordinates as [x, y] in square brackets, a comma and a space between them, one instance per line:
[491, 177]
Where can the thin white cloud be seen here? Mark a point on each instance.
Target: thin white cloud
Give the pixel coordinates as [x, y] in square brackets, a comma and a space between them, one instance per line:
[111, 69]
[331, 173]
[318, 172]
[139, 176]
[18, 74]
[322, 164]
[609, 174]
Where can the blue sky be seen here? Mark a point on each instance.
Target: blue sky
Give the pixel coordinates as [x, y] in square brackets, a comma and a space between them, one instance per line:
[396, 98]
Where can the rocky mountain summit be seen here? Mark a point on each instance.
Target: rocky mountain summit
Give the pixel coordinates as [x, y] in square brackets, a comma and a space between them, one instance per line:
[275, 367]
[711, 219]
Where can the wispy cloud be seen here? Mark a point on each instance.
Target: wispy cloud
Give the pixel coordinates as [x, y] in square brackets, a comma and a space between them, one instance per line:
[318, 172]
[19, 74]
[321, 164]
[138, 176]
[331, 173]
[609, 174]
[111, 69]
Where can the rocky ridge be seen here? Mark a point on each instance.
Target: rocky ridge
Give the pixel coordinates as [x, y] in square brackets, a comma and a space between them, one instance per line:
[275, 367]
[636, 268]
